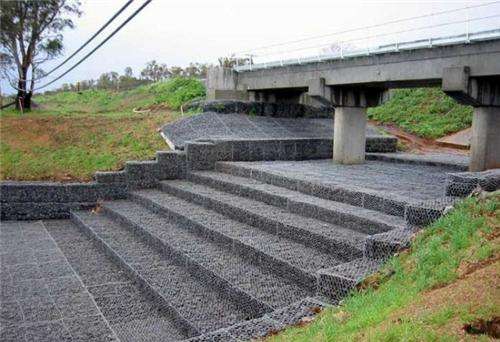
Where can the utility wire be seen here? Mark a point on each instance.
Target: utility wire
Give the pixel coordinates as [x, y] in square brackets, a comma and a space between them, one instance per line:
[98, 46]
[91, 38]
[84, 44]
[380, 35]
[366, 27]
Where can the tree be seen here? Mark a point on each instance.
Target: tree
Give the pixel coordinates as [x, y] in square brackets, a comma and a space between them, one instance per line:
[104, 81]
[155, 72]
[197, 70]
[115, 79]
[31, 34]
[229, 62]
[128, 72]
[176, 71]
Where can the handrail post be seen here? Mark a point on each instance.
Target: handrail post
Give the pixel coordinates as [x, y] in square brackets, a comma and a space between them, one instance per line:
[467, 38]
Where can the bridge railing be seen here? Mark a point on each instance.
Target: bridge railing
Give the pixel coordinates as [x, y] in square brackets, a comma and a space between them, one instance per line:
[465, 29]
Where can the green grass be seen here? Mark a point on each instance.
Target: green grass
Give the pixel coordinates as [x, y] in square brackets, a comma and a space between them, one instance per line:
[426, 112]
[49, 147]
[70, 135]
[409, 305]
[178, 91]
[171, 94]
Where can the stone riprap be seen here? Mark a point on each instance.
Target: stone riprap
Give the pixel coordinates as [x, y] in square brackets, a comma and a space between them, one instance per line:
[215, 250]
[219, 126]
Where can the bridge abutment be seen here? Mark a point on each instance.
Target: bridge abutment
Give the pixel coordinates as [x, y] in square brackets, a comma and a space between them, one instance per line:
[222, 84]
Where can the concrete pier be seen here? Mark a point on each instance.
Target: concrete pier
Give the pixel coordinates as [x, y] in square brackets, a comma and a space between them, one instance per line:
[485, 142]
[349, 136]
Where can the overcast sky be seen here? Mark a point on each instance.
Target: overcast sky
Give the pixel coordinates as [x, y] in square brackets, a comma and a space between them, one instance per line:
[177, 32]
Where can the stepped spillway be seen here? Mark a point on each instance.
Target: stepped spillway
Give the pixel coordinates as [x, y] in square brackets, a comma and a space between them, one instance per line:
[231, 253]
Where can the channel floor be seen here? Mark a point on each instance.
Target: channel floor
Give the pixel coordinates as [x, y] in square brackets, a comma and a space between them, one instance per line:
[410, 182]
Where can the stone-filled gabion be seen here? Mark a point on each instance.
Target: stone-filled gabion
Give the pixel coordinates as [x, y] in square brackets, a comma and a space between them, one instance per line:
[282, 110]
[463, 183]
[228, 240]
[242, 127]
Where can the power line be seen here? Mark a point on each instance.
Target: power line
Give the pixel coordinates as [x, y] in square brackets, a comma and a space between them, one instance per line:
[366, 27]
[98, 46]
[92, 38]
[84, 44]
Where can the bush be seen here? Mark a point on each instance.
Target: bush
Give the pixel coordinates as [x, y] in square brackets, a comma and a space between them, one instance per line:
[426, 112]
[177, 91]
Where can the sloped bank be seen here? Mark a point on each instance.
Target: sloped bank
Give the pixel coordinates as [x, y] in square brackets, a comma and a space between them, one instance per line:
[451, 295]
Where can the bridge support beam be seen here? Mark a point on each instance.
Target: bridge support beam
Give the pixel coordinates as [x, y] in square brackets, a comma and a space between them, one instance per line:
[349, 138]
[485, 141]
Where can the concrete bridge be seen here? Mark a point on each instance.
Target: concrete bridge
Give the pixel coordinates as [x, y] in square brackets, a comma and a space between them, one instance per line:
[469, 72]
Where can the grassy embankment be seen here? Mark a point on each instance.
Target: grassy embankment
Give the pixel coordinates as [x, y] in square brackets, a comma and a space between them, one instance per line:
[448, 279]
[70, 135]
[426, 112]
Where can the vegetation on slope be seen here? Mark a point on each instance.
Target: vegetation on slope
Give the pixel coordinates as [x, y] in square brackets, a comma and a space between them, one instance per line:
[448, 279]
[426, 112]
[178, 91]
[73, 134]
[171, 93]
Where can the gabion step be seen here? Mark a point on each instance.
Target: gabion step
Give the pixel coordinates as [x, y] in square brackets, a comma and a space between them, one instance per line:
[350, 194]
[193, 301]
[244, 278]
[356, 218]
[132, 315]
[346, 244]
[288, 258]
[338, 281]
[269, 324]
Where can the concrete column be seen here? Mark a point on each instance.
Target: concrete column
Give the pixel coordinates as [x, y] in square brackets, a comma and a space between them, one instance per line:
[349, 135]
[485, 141]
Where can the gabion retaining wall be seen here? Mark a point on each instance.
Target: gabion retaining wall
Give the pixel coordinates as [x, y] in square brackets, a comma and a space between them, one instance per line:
[52, 200]
[282, 110]
[36, 200]
[202, 155]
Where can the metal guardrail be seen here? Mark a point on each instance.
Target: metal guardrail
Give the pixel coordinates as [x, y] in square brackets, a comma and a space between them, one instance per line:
[464, 38]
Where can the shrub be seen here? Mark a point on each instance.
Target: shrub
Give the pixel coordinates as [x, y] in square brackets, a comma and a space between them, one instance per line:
[177, 91]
